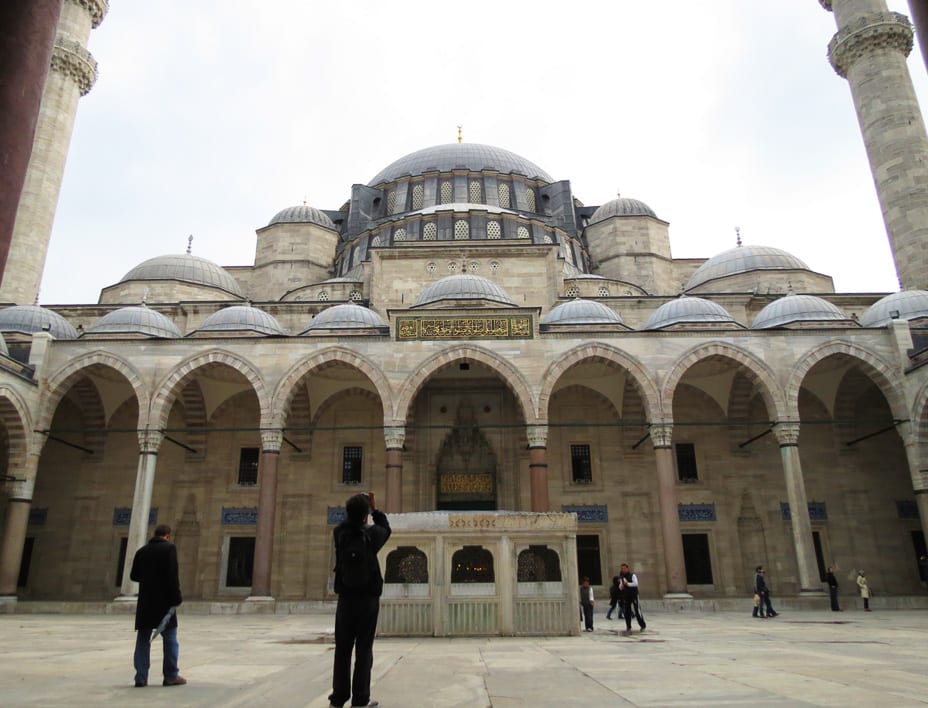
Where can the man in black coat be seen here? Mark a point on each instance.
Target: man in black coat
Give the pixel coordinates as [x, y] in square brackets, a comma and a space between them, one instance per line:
[358, 601]
[832, 589]
[154, 568]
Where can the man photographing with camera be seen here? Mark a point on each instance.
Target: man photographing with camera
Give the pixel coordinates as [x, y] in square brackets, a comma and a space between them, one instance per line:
[359, 584]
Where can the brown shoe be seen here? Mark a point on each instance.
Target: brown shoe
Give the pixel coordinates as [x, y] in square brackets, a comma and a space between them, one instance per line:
[176, 681]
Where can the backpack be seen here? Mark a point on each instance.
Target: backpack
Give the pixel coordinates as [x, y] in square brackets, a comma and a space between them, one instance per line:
[354, 564]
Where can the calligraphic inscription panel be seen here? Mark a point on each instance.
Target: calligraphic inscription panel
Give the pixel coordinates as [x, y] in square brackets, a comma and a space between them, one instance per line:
[509, 327]
[467, 484]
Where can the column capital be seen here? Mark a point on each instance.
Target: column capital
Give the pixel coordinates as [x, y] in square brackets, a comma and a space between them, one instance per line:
[97, 9]
[150, 441]
[537, 435]
[661, 435]
[787, 433]
[878, 30]
[73, 61]
[394, 436]
[271, 439]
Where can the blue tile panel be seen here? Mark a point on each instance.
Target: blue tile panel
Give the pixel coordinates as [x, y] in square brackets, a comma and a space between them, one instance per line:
[817, 511]
[123, 515]
[335, 515]
[239, 515]
[696, 512]
[588, 513]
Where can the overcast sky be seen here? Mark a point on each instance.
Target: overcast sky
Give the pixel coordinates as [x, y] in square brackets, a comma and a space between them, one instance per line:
[210, 116]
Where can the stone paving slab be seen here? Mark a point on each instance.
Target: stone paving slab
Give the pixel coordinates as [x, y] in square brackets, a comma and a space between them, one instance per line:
[809, 658]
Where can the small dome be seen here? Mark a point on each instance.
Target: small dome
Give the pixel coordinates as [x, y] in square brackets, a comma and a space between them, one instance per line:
[302, 214]
[744, 259]
[621, 207]
[349, 315]
[459, 156]
[29, 319]
[135, 320]
[185, 268]
[463, 287]
[688, 310]
[581, 312]
[242, 318]
[905, 305]
[798, 308]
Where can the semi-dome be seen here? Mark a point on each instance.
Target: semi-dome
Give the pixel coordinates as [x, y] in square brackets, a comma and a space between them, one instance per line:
[242, 318]
[581, 312]
[744, 259]
[135, 320]
[302, 214]
[186, 268]
[622, 207]
[349, 315]
[463, 287]
[459, 156]
[689, 311]
[905, 305]
[798, 308]
[29, 319]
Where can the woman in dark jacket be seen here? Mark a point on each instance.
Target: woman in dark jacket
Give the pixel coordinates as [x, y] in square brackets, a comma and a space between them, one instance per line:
[615, 598]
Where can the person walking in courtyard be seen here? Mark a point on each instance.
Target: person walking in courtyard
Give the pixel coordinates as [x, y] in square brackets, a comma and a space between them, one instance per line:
[761, 588]
[615, 594]
[864, 589]
[832, 589]
[587, 602]
[154, 568]
[628, 582]
[359, 585]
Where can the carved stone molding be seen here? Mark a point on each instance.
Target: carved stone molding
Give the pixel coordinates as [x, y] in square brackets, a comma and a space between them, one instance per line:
[394, 437]
[150, 441]
[96, 8]
[271, 440]
[881, 30]
[661, 434]
[537, 435]
[73, 61]
[786, 433]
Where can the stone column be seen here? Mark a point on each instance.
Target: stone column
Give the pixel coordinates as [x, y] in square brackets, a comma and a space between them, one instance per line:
[870, 50]
[788, 437]
[149, 442]
[267, 514]
[73, 73]
[395, 437]
[538, 466]
[917, 470]
[675, 566]
[17, 522]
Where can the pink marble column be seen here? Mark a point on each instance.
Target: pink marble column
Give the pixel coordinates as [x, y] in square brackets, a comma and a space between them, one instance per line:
[267, 514]
[395, 437]
[674, 565]
[538, 466]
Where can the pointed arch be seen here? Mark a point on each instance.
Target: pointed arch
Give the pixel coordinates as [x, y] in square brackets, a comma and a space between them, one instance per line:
[588, 352]
[15, 417]
[170, 387]
[511, 376]
[886, 377]
[287, 388]
[752, 367]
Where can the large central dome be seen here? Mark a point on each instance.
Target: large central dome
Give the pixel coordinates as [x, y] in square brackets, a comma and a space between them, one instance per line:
[460, 156]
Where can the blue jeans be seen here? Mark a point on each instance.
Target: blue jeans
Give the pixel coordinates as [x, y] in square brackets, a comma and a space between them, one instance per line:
[142, 654]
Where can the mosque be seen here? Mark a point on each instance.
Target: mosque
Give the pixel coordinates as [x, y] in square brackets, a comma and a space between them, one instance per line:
[464, 333]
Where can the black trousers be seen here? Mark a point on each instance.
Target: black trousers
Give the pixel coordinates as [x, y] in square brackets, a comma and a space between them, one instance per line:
[833, 592]
[631, 609]
[355, 626]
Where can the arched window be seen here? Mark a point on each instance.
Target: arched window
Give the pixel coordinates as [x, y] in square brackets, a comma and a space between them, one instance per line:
[475, 190]
[447, 193]
[529, 195]
[430, 231]
[399, 234]
[494, 230]
[505, 201]
[472, 564]
[407, 564]
[461, 230]
[522, 232]
[391, 201]
[417, 192]
[538, 564]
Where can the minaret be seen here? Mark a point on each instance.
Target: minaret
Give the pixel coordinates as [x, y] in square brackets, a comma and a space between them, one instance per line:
[73, 72]
[870, 51]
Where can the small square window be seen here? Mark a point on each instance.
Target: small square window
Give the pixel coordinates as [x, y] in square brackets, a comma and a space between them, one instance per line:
[248, 466]
[351, 465]
[686, 462]
[580, 464]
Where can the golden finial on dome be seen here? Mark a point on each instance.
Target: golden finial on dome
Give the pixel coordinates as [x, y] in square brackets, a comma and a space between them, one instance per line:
[738, 236]
[189, 244]
[460, 136]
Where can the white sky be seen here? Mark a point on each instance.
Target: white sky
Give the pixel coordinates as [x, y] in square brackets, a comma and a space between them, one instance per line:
[210, 116]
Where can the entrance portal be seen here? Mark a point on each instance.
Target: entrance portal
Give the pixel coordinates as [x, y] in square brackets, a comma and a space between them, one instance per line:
[466, 467]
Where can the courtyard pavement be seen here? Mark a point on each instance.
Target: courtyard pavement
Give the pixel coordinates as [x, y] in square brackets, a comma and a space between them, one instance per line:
[801, 658]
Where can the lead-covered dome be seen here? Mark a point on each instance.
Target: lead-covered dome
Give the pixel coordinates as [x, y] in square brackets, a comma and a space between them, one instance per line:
[349, 315]
[460, 156]
[185, 268]
[463, 287]
[694, 311]
[905, 305]
[581, 312]
[135, 320]
[29, 319]
[621, 207]
[302, 214]
[795, 309]
[744, 259]
[243, 319]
